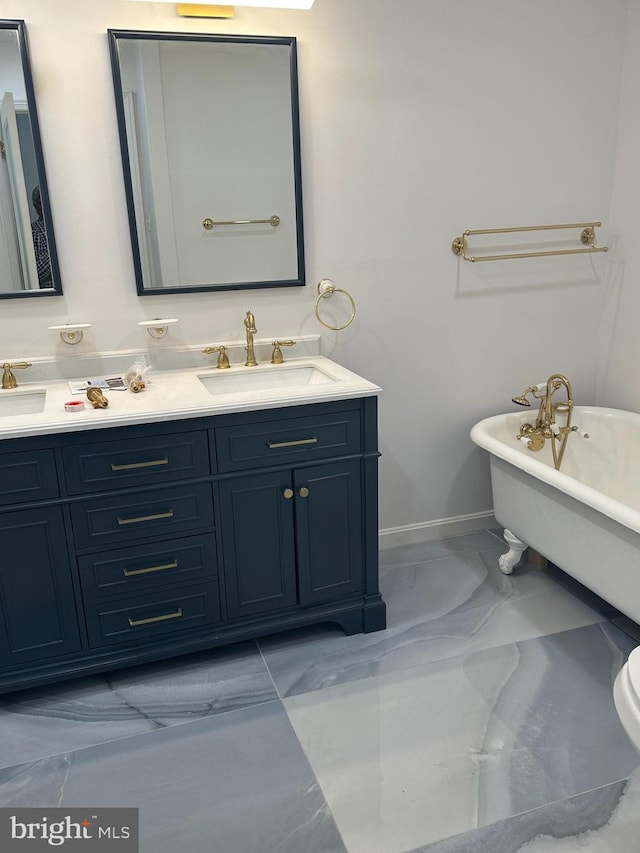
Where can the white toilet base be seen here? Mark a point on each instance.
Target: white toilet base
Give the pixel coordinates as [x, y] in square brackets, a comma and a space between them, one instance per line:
[627, 706]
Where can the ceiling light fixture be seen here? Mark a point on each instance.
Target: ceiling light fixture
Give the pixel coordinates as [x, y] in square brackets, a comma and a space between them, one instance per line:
[213, 10]
[204, 10]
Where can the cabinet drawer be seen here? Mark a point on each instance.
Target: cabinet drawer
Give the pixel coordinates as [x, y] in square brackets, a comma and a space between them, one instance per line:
[142, 567]
[144, 617]
[287, 441]
[135, 462]
[27, 477]
[146, 514]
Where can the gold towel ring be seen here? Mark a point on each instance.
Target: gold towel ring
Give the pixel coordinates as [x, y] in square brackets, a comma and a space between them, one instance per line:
[325, 289]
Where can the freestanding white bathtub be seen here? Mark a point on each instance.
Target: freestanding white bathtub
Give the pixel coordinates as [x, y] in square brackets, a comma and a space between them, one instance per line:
[585, 518]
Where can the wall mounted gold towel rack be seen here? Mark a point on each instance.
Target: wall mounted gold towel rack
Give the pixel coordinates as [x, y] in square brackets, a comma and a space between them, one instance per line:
[587, 236]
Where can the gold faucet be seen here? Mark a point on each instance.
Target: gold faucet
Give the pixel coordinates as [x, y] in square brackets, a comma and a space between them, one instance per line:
[8, 379]
[250, 326]
[545, 427]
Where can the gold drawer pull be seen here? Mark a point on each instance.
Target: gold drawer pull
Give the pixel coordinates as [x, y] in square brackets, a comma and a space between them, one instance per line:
[146, 518]
[176, 615]
[131, 465]
[273, 445]
[129, 573]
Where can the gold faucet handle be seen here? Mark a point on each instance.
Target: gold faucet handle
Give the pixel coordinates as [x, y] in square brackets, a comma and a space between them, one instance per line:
[276, 355]
[8, 379]
[223, 358]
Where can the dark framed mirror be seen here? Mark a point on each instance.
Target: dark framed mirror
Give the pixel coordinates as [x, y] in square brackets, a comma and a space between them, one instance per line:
[210, 143]
[28, 257]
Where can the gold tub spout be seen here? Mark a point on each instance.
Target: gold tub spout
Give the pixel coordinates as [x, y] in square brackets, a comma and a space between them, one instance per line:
[561, 434]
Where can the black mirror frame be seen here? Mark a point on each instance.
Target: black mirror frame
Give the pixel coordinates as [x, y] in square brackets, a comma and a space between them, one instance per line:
[290, 41]
[21, 30]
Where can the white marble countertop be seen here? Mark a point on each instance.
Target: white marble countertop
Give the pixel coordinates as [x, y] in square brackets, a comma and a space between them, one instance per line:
[180, 394]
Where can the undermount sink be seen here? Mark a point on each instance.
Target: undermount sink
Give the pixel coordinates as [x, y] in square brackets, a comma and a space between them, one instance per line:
[14, 402]
[264, 378]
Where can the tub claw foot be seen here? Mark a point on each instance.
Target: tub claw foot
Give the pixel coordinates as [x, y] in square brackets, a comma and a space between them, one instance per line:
[510, 560]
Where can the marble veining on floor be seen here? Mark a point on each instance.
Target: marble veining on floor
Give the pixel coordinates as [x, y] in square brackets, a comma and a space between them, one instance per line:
[482, 719]
[126, 702]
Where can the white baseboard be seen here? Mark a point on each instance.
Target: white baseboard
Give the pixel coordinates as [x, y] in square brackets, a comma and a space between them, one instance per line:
[441, 528]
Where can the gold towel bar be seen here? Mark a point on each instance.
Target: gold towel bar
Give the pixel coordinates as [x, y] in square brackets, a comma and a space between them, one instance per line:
[588, 235]
[209, 223]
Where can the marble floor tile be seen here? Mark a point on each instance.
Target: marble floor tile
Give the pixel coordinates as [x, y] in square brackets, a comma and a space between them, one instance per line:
[417, 755]
[235, 783]
[594, 601]
[420, 552]
[436, 609]
[605, 820]
[92, 710]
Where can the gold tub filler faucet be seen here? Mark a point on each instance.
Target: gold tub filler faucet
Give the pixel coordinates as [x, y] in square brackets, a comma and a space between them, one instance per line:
[546, 427]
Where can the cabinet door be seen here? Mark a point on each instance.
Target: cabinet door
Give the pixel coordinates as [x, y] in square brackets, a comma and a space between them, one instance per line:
[258, 543]
[37, 609]
[328, 502]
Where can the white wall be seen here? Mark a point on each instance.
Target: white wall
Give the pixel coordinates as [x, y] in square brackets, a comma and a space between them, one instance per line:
[419, 119]
[10, 66]
[618, 383]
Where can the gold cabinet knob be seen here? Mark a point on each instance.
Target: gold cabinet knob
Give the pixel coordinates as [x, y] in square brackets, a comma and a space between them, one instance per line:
[288, 493]
[304, 492]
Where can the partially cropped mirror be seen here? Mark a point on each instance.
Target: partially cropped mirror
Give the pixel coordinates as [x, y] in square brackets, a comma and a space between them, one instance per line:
[211, 154]
[28, 259]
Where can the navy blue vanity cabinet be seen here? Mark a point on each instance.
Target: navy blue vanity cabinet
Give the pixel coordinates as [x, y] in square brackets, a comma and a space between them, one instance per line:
[117, 460]
[146, 556]
[329, 531]
[257, 533]
[291, 537]
[299, 538]
[38, 618]
[132, 544]
[27, 476]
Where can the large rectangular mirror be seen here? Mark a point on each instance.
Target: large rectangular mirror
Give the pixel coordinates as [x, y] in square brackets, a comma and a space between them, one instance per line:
[210, 145]
[28, 257]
